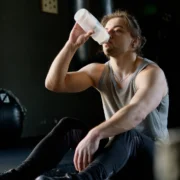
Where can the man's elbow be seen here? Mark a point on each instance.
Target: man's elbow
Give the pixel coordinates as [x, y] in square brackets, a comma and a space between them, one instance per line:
[48, 85]
[51, 86]
[140, 116]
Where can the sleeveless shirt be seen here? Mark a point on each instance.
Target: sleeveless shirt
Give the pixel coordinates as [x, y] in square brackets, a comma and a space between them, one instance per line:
[114, 98]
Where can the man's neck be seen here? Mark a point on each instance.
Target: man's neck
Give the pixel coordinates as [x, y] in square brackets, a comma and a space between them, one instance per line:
[123, 64]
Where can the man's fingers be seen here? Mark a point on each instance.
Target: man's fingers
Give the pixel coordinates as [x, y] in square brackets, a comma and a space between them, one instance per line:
[85, 161]
[88, 34]
[89, 158]
[79, 162]
[76, 160]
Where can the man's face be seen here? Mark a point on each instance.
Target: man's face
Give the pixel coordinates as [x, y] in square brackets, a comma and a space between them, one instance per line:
[120, 38]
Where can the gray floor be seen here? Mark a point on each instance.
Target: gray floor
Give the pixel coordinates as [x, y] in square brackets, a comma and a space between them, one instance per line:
[12, 157]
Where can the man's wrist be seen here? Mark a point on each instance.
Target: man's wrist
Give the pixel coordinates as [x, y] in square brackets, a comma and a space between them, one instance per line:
[95, 134]
[71, 46]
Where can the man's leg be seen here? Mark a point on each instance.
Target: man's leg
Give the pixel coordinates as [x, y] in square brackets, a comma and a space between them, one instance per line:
[51, 149]
[140, 165]
[114, 157]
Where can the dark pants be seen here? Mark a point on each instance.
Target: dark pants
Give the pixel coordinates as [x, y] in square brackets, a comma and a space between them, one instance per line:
[128, 153]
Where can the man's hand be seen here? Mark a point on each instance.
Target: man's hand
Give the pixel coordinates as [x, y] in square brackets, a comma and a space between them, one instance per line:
[78, 36]
[85, 150]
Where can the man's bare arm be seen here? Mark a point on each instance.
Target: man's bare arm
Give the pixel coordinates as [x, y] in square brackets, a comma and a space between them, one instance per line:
[58, 78]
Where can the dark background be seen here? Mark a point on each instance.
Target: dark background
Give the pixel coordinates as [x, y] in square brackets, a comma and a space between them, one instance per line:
[30, 39]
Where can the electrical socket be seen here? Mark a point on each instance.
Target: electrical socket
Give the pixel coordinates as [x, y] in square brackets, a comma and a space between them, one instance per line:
[50, 6]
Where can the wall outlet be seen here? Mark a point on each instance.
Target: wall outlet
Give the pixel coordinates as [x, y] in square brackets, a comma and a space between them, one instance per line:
[50, 6]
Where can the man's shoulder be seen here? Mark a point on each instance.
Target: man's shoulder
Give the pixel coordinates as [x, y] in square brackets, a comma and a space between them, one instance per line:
[148, 66]
[95, 70]
[96, 66]
[150, 61]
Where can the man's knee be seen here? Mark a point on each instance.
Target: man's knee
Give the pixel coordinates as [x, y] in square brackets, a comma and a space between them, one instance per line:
[65, 121]
[68, 123]
[65, 124]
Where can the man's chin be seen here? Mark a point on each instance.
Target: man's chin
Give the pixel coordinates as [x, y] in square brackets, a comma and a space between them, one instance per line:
[108, 53]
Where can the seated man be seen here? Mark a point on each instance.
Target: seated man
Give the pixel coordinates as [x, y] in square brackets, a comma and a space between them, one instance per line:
[135, 100]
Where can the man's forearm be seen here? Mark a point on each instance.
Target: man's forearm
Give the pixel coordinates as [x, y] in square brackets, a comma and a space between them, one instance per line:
[122, 121]
[59, 67]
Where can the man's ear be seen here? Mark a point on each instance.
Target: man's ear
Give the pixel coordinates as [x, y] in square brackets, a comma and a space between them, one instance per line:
[135, 42]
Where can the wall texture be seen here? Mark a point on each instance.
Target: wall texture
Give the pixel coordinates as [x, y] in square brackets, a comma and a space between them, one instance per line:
[30, 40]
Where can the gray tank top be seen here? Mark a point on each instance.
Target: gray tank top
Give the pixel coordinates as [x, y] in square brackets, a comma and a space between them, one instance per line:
[114, 98]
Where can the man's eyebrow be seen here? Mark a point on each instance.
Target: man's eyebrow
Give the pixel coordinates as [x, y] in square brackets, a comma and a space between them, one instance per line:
[117, 26]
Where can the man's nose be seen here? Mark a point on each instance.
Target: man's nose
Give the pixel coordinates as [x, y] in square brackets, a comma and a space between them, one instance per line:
[110, 32]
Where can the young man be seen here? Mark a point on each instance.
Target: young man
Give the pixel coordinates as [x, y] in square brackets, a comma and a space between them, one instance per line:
[134, 94]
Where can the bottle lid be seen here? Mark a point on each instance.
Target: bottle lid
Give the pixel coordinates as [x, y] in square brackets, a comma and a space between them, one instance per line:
[80, 14]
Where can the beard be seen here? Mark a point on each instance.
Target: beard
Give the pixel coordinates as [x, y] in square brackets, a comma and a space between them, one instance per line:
[110, 51]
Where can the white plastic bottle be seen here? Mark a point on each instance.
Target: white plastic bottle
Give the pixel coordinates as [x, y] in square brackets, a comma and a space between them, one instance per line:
[88, 22]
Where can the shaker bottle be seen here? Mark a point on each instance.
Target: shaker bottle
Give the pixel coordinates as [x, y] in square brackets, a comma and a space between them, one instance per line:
[88, 22]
